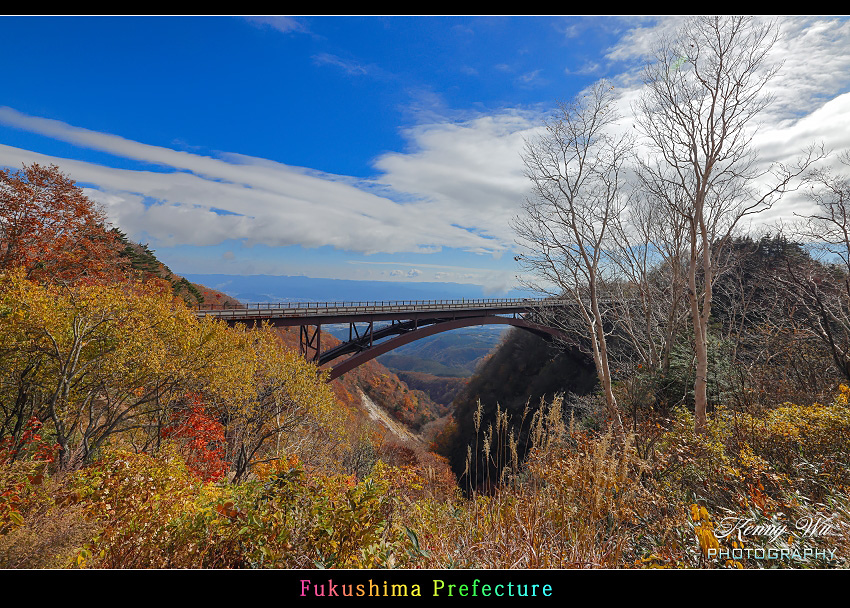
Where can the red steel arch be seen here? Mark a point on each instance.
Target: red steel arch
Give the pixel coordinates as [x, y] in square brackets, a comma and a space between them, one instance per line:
[429, 330]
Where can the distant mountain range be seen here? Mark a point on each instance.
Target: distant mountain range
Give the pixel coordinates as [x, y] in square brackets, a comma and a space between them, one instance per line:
[270, 288]
[440, 365]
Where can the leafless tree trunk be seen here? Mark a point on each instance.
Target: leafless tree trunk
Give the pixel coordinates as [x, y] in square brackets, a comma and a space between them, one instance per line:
[702, 93]
[576, 167]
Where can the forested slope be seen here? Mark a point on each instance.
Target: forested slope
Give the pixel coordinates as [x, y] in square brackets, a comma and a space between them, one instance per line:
[521, 372]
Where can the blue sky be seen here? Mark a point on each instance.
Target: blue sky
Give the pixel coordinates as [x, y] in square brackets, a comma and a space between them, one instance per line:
[373, 148]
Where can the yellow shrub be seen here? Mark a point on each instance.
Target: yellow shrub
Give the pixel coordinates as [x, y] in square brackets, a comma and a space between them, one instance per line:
[808, 445]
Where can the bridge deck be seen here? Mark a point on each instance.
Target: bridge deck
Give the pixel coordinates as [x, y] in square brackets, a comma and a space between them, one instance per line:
[336, 312]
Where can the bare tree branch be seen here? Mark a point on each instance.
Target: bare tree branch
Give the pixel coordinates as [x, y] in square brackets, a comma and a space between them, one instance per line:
[577, 168]
[703, 92]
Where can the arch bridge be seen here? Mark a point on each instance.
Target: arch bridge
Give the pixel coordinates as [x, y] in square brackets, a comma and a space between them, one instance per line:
[388, 324]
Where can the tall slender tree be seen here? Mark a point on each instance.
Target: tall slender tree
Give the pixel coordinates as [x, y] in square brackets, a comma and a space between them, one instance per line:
[703, 93]
[576, 167]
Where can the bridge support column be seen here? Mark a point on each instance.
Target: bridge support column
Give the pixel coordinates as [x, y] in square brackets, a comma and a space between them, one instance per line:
[354, 333]
[310, 342]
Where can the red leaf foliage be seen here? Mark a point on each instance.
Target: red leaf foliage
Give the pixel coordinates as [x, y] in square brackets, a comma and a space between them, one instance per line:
[201, 439]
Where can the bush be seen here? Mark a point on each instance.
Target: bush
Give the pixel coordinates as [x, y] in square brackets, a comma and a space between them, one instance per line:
[807, 447]
[691, 466]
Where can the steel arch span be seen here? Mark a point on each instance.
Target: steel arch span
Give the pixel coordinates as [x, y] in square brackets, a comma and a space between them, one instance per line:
[406, 337]
[409, 321]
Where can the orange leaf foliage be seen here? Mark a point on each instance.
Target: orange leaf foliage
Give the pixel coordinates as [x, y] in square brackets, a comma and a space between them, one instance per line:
[51, 229]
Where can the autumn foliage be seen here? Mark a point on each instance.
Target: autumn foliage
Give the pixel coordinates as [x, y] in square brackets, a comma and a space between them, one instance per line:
[51, 229]
[201, 439]
[134, 434]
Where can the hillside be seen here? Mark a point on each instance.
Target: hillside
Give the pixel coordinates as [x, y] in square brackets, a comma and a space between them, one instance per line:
[521, 372]
[441, 389]
[401, 411]
[144, 264]
[439, 365]
[411, 407]
[389, 419]
[453, 353]
[198, 445]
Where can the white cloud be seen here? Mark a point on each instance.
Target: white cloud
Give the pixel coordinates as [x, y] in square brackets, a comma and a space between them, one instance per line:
[459, 184]
[471, 172]
[638, 42]
[531, 78]
[350, 67]
[777, 141]
[493, 280]
[269, 202]
[815, 57]
[573, 30]
[588, 67]
[811, 93]
[814, 53]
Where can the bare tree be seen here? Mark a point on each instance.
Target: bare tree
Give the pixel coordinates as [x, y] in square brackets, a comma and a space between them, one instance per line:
[650, 255]
[702, 93]
[576, 167]
[821, 289]
[829, 226]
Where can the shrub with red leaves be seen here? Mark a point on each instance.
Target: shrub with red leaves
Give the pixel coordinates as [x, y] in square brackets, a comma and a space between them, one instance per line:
[201, 440]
